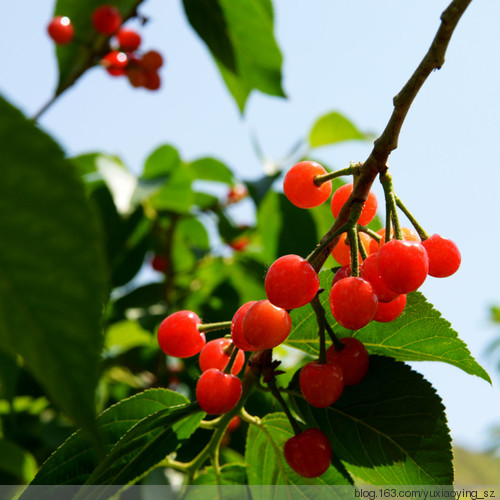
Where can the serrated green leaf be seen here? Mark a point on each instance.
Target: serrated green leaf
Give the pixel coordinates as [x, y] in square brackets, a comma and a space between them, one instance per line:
[333, 128]
[211, 169]
[161, 162]
[16, 461]
[419, 334]
[229, 474]
[76, 57]
[52, 271]
[75, 460]
[266, 462]
[241, 39]
[389, 429]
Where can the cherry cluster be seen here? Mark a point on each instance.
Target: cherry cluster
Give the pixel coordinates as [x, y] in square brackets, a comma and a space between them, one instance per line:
[123, 57]
[375, 290]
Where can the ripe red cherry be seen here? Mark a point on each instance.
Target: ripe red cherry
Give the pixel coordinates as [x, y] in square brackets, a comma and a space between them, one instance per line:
[236, 327]
[321, 384]
[353, 302]
[61, 30]
[353, 359]
[389, 311]
[308, 453]
[233, 424]
[152, 80]
[299, 187]
[106, 19]
[214, 355]
[218, 392]
[135, 76]
[128, 39]
[152, 60]
[291, 282]
[402, 265]
[237, 193]
[178, 335]
[266, 326]
[342, 250]
[444, 256]
[239, 244]
[408, 235]
[342, 194]
[369, 272]
[159, 263]
[115, 62]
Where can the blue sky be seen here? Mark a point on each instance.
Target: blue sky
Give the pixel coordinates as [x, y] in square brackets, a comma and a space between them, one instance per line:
[347, 56]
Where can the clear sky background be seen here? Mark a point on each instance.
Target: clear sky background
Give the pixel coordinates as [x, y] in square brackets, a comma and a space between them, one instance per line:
[352, 57]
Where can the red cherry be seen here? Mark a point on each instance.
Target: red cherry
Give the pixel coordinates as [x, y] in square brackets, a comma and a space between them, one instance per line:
[308, 453]
[236, 327]
[408, 235]
[236, 194]
[321, 384]
[159, 263]
[152, 60]
[343, 272]
[135, 76]
[239, 244]
[266, 326]
[353, 302]
[342, 194]
[444, 256]
[402, 265]
[291, 282]
[342, 251]
[106, 19]
[218, 392]
[369, 272]
[152, 80]
[299, 187]
[115, 62]
[128, 40]
[61, 30]
[214, 355]
[353, 359]
[234, 423]
[178, 335]
[389, 311]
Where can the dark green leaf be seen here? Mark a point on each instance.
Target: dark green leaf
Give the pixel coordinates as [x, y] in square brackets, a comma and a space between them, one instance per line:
[258, 189]
[9, 376]
[207, 18]
[74, 461]
[16, 461]
[76, 57]
[175, 194]
[266, 462]
[389, 429]
[229, 474]
[211, 169]
[419, 334]
[332, 128]
[146, 444]
[52, 271]
[161, 162]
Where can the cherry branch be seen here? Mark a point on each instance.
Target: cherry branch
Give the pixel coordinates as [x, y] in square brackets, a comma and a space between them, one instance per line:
[376, 162]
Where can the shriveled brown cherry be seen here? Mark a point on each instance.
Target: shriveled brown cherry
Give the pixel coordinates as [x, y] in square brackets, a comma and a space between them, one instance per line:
[353, 359]
[309, 453]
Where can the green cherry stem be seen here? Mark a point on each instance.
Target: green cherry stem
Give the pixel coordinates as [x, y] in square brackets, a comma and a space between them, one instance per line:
[317, 250]
[361, 247]
[391, 208]
[230, 363]
[277, 394]
[321, 319]
[353, 243]
[212, 327]
[370, 232]
[353, 169]
[420, 230]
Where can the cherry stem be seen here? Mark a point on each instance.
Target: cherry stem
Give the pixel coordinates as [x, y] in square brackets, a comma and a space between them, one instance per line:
[353, 243]
[370, 232]
[277, 394]
[321, 318]
[212, 327]
[318, 249]
[390, 207]
[420, 230]
[353, 169]
[230, 363]
[361, 247]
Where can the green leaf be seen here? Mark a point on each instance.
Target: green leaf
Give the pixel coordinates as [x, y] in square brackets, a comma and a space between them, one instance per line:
[266, 462]
[161, 162]
[332, 128]
[145, 445]
[9, 376]
[389, 429]
[175, 194]
[74, 461]
[16, 461]
[193, 232]
[126, 335]
[230, 474]
[76, 57]
[207, 18]
[211, 169]
[279, 223]
[419, 334]
[241, 39]
[51, 267]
